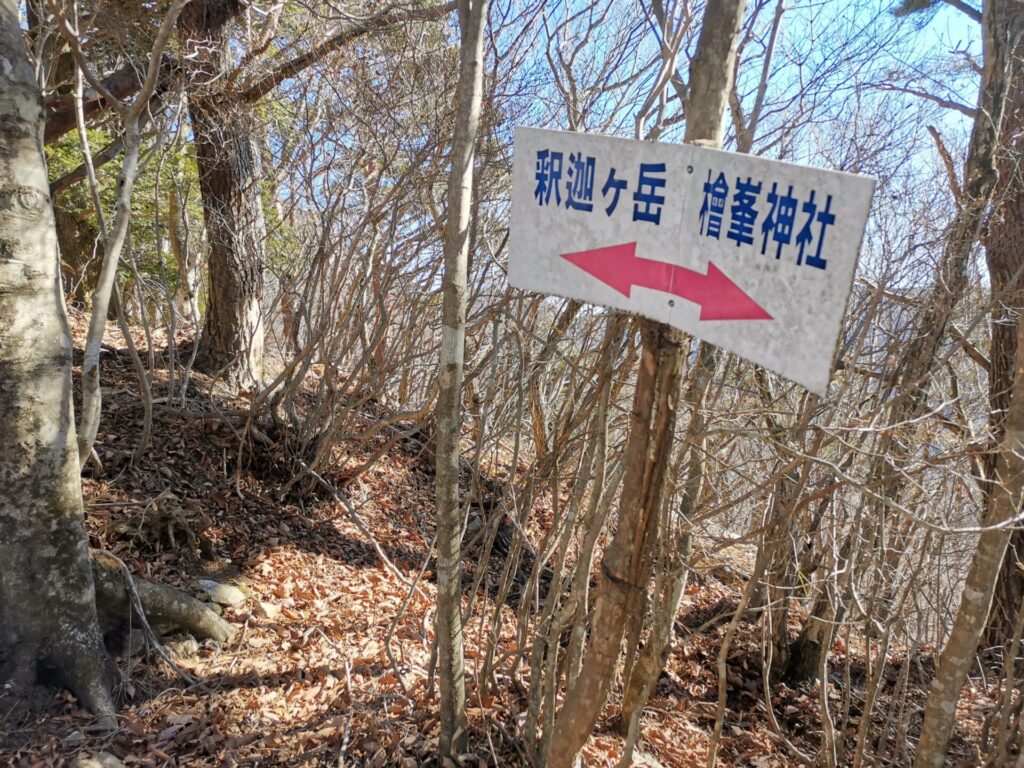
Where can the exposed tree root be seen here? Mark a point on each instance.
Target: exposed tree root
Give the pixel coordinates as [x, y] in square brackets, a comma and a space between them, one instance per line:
[83, 664]
[165, 607]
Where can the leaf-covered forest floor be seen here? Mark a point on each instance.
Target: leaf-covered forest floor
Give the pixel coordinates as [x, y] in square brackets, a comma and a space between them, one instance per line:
[307, 679]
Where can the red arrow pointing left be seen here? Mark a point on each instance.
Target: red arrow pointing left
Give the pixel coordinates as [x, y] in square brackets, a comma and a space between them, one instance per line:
[619, 267]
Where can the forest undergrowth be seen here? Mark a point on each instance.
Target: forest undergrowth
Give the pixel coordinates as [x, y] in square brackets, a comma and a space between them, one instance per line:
[320, 671]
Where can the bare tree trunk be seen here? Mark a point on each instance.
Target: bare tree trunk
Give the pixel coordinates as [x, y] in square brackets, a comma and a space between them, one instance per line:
[80, 268]
[909, 381]
[641, 679]
[1004, 250]
[652, 424]
[808, 652]
[230, 176]
[186, 294]
[643, 676]
[48, 583]
[959, 654]
[114, 239]
[113, 244]
[472, 19]
[620, 590]
[1003, 26]
[47, 597]
[230, 173]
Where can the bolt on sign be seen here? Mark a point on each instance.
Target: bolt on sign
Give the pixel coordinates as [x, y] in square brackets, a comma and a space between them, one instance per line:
[755, 256]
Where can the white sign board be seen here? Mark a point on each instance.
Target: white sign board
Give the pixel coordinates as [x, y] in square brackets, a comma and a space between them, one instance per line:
[755, 256]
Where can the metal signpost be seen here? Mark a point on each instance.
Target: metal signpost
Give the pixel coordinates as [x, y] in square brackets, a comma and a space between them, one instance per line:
[755, 256]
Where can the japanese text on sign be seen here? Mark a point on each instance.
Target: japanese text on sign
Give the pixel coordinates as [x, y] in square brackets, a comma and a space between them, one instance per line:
[579, 185]
[731, 208]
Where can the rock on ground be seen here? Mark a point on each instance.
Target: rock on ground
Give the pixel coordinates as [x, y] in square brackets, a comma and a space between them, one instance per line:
[225, 594]
[99, 760]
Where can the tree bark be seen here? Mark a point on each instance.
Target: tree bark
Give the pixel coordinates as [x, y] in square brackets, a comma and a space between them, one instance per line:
[230, 174]
[651, 660]
[60, 110]
[48, 582]
[959, 654]
[620, 589]
[641, 679]
[113, 244]
[1002, 27]
[472, 19]
[186, 294]
[652, 424]
[806, 654]
[47, 598]
[1004, 251]
[909, 381]
[80, 267]
[164, 606]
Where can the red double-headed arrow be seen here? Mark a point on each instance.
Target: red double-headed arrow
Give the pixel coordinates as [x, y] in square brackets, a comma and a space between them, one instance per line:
[619, 267]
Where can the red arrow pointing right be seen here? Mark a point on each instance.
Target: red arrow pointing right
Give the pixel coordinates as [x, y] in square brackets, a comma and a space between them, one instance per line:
[619, 267]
